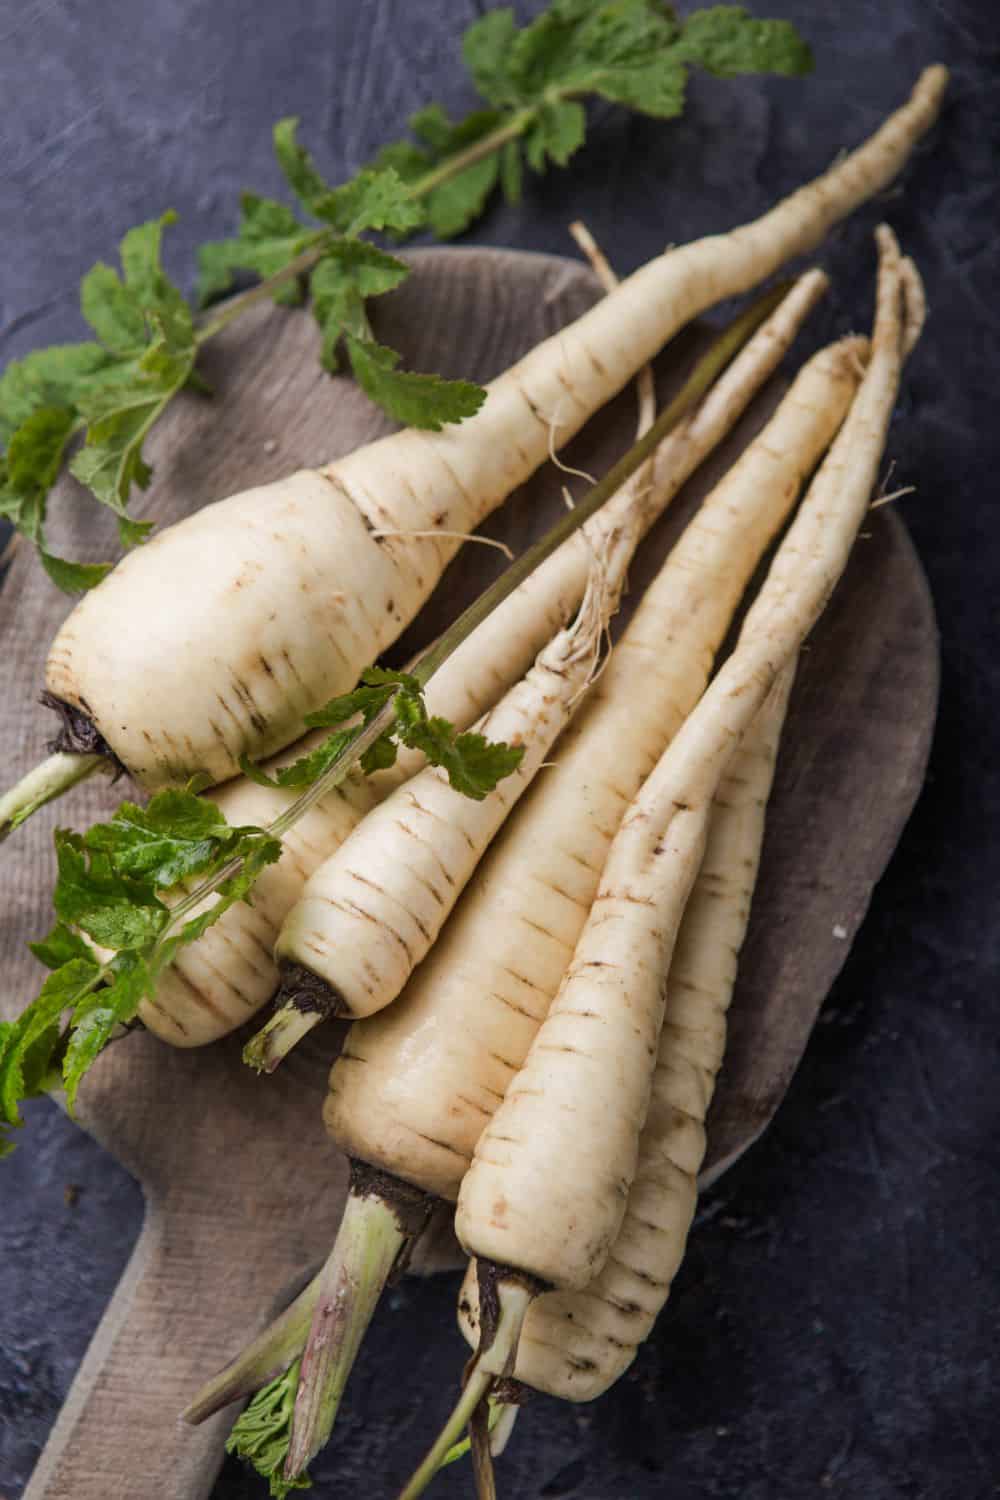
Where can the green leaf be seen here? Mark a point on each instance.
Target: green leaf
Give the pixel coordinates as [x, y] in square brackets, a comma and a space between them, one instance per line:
[350, 271]
[74, 577]
[308, 768]
[474, 764]
[262, 1432]
[268, 237]
[49, 377]
[114, 312]
[416, 400]
[726, 41]
[27, 1044]
[117, 912]
[61, 945]
[177, 835]
[119, 418]
[485, 50]
[558, 132]
[97, 1016]
[30, 467]
[377, 198]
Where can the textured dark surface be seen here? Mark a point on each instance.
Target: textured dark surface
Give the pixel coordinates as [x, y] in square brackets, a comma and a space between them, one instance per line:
[835, 1329]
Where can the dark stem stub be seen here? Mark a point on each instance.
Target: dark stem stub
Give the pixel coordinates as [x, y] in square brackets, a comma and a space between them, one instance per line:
[411, 1205]
[489, 1275]
[306, 992]
[78, 734]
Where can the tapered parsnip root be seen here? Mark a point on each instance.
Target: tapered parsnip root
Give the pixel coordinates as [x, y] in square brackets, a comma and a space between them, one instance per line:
[580, 1100]
[415, 1085]
[576, 1344]
[372, 911]
[293, 567]
[505, 644]
[726, 401]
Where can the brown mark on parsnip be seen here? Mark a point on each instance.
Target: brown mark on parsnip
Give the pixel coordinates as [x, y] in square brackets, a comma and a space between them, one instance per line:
[308, 993]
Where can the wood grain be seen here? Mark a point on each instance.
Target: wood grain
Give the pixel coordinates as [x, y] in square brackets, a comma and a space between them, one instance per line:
[242, 1191]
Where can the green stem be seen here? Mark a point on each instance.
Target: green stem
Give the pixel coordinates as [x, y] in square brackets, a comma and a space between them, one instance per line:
[43, 784]
[264, 1358]
[304, 262]
[514, 1300]
[495, 140]
[369, 1242]
[269, 1046]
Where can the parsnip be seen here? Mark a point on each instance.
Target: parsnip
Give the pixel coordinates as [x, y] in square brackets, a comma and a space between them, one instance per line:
[230, 972]
[533, 1221]
[575, 1344]
[414, 1086]
[371, 912]
[294, 593]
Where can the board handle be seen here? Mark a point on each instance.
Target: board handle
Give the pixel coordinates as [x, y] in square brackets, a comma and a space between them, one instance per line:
[179, 1311]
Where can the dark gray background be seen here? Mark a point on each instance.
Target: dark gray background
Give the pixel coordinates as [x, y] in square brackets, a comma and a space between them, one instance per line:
[835, 1328]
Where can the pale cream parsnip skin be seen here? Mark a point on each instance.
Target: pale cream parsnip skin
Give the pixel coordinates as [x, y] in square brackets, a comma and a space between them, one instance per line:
[415, 1086]
[296, 596]
[577, 1344]
[371, 912]
[230, 973]
[521, 1205]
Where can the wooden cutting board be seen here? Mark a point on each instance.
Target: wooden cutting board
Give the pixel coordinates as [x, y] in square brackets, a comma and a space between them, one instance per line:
[211, 1144]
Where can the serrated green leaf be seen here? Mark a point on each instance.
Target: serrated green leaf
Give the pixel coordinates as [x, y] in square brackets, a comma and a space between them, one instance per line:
[416, 400]
[557, 132]
[298, 166]
[20, 1063]
[377, 198]
[177, 835]
[350, 271]
[485, 50]
[473, 763]
[726, 41]
[113, 312]
[268, 237]
[97, 1016]
[61, 945]
[30, 467]
[73, 577]
[262, 1432]
[48, 378]
[91, 894]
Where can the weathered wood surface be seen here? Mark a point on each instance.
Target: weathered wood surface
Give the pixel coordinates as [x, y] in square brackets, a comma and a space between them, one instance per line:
[242, 1191]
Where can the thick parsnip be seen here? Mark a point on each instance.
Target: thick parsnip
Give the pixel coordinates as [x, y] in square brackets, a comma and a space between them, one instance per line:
[576, 1344]
[295, 593]
[371, 912]
[230, 973]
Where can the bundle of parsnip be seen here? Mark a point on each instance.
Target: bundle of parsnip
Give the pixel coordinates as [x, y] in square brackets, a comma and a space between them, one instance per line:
[550, 1055]
[538, 965]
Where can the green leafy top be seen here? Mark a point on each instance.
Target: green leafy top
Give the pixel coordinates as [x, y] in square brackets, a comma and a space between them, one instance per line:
[473, 764]
[262, 1432]
[110, 888]
[113, 880]
[531, 82]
